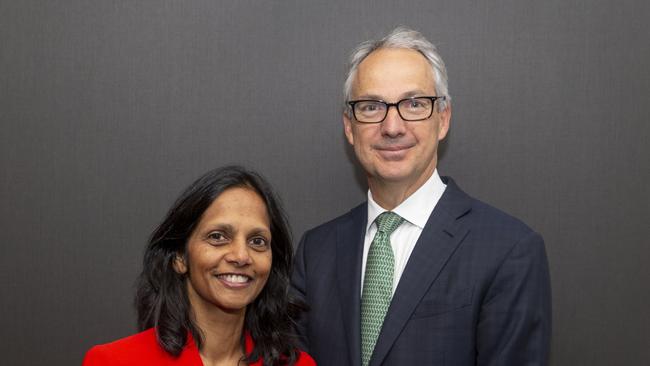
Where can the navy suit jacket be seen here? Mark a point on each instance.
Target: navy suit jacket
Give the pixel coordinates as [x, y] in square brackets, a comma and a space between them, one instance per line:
[475, 291]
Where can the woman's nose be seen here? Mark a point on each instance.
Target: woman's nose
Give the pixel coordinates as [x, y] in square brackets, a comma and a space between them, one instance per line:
[239, 253]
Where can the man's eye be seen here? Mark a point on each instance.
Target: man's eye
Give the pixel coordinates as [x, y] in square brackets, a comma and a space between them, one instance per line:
[369, 107]
[415, 104]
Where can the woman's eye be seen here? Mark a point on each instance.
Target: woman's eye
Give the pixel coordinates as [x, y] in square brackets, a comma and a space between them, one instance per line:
[259, 242]
[216, 237]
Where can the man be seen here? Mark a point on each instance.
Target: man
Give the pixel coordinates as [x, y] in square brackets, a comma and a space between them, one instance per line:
[421, 273]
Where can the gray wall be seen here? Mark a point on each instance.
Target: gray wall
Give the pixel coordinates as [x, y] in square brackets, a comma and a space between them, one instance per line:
[109, 108]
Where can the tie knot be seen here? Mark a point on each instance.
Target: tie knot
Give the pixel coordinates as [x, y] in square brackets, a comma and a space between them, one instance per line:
[388, 221]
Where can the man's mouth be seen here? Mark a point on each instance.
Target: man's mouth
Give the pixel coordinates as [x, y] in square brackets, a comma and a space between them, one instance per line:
[393, 152]
[394, 147]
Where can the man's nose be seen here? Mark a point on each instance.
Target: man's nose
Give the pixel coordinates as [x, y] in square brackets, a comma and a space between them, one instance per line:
[393, 125]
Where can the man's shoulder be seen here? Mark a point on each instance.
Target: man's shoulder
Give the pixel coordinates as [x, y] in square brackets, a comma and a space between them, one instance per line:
[495, 214]
[482, 215]
[352, 217]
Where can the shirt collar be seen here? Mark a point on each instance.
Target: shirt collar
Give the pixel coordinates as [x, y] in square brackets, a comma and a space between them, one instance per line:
[416, 208]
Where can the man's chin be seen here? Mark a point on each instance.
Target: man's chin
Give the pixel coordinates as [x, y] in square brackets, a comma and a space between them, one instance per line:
[393, 175]
[396, 174]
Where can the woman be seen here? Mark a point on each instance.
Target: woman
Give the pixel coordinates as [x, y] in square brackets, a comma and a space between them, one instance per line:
[214, 288]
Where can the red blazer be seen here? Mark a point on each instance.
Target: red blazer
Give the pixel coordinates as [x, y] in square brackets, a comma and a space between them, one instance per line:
[143, 349]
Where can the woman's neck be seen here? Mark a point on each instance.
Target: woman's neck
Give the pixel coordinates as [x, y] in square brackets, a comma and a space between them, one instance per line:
[222, 334]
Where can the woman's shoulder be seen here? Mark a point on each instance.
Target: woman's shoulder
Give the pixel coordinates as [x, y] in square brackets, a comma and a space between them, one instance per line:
[304, 359]
[123, 351]
[137, 349]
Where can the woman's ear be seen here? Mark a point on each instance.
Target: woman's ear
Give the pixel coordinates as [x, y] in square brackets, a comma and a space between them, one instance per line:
[179, 264]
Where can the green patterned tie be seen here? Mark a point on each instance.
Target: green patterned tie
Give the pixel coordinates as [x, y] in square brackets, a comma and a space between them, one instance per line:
[377, 283]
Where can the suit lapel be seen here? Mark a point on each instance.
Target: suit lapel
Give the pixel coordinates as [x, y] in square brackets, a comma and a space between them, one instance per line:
[349, 252]
[438, 241]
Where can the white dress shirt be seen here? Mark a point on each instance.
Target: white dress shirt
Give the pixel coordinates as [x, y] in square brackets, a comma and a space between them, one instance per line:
[415, 210]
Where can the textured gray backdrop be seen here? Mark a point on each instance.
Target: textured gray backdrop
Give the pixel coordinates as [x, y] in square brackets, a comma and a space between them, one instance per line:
[108, 109]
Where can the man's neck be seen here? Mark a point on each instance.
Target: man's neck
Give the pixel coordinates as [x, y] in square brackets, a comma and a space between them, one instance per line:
[389, 195]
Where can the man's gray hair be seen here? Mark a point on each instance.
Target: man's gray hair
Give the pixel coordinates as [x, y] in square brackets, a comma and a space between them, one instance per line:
[401, 37]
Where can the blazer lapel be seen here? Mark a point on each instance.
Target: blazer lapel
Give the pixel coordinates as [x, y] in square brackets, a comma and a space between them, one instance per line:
[349, 252]
[436, 244]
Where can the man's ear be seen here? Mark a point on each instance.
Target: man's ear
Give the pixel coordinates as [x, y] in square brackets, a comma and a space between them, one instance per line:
[347, 127]
[445, 118]
[179, 264]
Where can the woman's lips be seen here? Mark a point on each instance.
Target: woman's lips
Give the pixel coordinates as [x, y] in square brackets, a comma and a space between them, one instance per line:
[234, 280]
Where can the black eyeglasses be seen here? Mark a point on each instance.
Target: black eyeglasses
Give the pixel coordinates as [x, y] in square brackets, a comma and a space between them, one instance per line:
[410, 109]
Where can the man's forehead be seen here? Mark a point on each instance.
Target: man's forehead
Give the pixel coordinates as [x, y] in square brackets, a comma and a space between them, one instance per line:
[409, 93]
[393, 72]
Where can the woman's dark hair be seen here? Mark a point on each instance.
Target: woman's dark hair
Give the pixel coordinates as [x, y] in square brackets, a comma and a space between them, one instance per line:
[161, 298]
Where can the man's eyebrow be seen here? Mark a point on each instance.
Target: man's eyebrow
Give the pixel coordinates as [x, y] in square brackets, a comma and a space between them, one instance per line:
[369, 96]
[408, 94]
[413, 93]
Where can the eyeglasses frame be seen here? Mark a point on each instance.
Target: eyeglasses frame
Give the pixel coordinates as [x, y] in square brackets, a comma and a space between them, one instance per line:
[433, 99]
